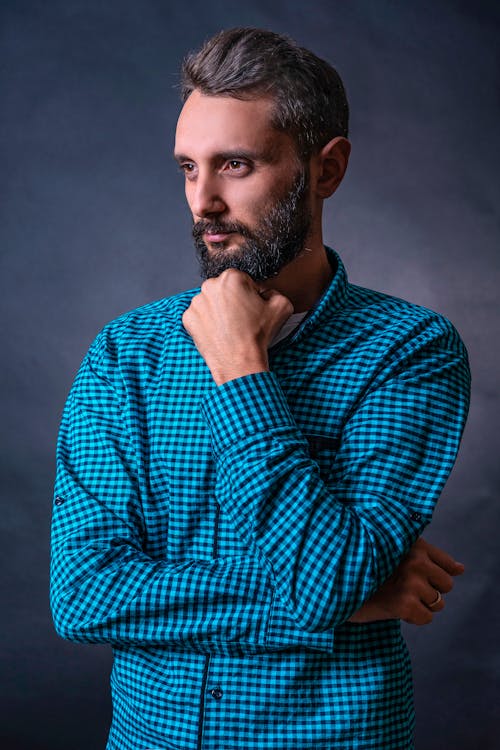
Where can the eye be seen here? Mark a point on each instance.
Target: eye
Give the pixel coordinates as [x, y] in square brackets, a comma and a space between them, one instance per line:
[237, 166]
[187, 168]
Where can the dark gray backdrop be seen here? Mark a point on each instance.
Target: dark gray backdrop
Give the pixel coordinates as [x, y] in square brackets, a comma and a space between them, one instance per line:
[94, 223]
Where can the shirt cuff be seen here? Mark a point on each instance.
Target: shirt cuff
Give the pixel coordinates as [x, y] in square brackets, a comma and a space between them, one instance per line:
[252, 404]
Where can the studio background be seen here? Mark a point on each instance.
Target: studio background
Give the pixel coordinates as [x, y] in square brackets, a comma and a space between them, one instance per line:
[93, 223]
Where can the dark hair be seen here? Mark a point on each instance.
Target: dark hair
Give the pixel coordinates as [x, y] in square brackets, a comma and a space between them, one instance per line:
[246, 63]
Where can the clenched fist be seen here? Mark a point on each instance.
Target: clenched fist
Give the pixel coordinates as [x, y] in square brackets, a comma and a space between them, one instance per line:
[232, 322]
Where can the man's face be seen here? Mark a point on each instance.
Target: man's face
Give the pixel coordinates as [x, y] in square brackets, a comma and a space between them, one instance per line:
[247, 192]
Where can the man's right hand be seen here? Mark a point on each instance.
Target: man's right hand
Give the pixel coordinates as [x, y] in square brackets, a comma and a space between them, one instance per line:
[232, 323]
[406, 595]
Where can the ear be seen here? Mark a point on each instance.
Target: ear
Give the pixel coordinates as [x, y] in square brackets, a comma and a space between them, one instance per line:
[331, 164]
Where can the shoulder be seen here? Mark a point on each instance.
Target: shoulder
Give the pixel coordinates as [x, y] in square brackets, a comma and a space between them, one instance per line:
[391, 318]
[140, 334]
[393, 339]
[379, 322]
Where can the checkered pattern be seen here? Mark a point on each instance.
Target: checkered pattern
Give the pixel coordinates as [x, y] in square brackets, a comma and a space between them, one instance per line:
[220, 537]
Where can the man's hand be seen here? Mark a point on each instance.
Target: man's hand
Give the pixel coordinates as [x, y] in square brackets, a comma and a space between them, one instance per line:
[406, 595]
[232, 322]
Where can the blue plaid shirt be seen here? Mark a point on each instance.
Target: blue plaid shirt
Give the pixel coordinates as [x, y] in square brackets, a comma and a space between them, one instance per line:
[219, 538]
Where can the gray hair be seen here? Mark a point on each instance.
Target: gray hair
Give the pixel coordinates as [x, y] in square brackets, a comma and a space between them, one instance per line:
[309, 98]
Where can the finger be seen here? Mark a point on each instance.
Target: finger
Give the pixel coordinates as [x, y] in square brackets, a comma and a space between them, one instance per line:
[186, 319]
[443, 559]
[440, 579]
[235, 276]
[423, 616]
[433, 600]
[419, 614]
[206, 286]
[418, 611]
[272, 294]
[419, 600]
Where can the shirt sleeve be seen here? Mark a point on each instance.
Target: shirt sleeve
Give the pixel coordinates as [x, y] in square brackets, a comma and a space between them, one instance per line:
[329, 545]
[104, 588]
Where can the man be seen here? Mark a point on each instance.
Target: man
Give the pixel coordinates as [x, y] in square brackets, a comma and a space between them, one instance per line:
[244, 470]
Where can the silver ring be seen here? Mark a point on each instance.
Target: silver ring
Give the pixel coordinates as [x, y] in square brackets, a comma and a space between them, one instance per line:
[436, 600]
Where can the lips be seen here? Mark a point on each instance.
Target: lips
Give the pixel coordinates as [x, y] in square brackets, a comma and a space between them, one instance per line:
[215, 233]
[216, 236]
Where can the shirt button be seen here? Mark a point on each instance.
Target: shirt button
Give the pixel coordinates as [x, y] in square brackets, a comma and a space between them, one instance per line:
[59, 500]
[416, 516]
[216, 693]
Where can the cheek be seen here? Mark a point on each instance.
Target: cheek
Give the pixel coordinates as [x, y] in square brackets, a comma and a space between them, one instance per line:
[249, 205]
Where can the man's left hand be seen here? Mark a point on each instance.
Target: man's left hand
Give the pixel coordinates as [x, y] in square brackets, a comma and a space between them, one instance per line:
[425, 572]
[232, 322]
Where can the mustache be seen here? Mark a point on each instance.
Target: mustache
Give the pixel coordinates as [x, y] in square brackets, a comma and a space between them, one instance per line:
[201, 227]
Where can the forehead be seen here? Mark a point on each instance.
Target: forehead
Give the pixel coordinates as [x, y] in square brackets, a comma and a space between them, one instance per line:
[209, 125]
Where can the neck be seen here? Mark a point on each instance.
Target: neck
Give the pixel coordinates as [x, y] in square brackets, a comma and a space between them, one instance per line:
[305, 279]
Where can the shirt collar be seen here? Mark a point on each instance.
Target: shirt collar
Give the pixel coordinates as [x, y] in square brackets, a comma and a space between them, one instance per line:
[332, 299]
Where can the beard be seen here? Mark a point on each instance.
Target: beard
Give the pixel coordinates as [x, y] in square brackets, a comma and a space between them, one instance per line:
[279, 238]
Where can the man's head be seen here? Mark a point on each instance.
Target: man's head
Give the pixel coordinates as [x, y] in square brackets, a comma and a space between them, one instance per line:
[309, 98]
[258, 113]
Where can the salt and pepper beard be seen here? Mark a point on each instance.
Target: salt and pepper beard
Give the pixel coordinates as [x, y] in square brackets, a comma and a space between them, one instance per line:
[279, 238]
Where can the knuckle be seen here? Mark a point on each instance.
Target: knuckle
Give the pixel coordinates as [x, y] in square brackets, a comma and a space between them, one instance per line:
[230, 274]
[422, 557]
[283, 304]
[413, 562]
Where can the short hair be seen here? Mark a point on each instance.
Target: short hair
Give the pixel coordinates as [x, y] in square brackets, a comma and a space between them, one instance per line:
[310, 102]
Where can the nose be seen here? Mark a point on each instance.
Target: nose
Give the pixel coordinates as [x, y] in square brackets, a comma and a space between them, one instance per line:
[204, 196]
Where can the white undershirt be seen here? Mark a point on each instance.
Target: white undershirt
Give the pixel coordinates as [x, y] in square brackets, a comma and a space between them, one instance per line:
[293, 322]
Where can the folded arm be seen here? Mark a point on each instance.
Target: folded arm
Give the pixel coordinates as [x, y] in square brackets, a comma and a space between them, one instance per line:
[317, 550]
[327, 546]
[104, 587]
